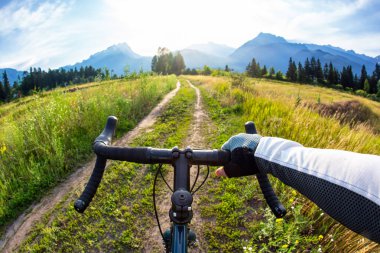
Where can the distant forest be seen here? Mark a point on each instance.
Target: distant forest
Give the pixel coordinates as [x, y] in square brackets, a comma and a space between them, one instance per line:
[312, 72]
[165, 62]
[37, 80]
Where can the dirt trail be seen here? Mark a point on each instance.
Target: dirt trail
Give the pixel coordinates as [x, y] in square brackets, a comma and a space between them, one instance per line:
[16, 232]
[199, 127]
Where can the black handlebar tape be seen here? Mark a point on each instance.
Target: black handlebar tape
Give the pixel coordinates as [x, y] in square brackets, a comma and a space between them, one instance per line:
[108, 131]
[85, 199]
[275, 205]
[270, 196]
[137, 155]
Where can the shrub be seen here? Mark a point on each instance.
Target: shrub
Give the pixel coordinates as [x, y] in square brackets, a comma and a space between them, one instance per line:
[361, 93]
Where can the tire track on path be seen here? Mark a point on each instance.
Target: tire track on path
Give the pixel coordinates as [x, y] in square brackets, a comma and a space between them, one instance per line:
[19, 229]
[200, 127]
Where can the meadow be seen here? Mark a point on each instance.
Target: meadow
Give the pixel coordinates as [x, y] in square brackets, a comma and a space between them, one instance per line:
[46, 136]
[239, 217]
[235, 217]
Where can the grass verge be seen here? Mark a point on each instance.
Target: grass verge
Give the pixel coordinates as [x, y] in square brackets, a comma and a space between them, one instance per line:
[122, 210]
[43, 140]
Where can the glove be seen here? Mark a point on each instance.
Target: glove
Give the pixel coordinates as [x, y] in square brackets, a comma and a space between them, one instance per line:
[242, 148]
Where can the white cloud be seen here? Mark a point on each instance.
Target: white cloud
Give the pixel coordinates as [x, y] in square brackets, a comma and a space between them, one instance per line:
[53, 33]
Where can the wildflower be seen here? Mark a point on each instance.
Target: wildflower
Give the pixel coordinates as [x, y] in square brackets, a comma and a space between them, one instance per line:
[291, 200]
[320, 237]
[279, 220]
[322, 214]
[294, 192]
[297, 242]
[3, 148]
[285, 246]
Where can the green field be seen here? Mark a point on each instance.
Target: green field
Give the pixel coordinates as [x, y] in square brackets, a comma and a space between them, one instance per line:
[234, 215]
[46, 136]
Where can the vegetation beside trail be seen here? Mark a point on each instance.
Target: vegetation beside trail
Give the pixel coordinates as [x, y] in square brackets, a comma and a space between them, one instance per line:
[122, 210]
[235, 215]
[239, 219]
[46, 136]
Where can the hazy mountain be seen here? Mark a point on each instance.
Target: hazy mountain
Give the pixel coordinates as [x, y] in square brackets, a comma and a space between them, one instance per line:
[116, 58]
[213, 49]
[197, 59]
[271, 50]
[13, 75]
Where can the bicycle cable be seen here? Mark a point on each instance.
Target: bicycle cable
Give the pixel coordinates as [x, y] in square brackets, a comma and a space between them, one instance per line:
[196, 179]
[154, 199]
[208, 172]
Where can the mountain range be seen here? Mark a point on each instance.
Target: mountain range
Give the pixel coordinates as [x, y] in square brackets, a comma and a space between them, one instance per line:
[267, 49]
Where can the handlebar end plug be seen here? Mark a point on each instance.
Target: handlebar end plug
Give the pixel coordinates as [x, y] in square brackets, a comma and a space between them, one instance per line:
[80, 206]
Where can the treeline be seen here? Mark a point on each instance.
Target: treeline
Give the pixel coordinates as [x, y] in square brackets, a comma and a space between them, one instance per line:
[312, 72]
[38, 80]
[166, 63]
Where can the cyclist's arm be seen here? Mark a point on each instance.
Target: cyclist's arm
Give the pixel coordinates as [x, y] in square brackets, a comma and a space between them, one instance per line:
[345, 185]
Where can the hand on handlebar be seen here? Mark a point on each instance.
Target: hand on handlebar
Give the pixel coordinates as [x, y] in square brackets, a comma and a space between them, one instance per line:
[242, 147]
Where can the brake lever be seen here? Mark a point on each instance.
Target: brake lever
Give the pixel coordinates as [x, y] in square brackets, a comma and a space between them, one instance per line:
[266, 188]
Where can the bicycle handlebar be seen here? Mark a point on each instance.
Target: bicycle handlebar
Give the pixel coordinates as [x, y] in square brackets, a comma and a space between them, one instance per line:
[266, 188]
[149, 155]
[144, 155]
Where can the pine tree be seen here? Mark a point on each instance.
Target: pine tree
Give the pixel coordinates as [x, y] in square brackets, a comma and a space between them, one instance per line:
[326, 71]
[308, 71]
[271, 72]
[301, 78]
[366, 87]
[2, 92]
[319, 72]
[363, 77]
[264, 71]
[7, 87]
[291, 74]
[226, 68]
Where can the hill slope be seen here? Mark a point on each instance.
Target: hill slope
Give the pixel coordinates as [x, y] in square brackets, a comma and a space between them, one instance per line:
[116, 58]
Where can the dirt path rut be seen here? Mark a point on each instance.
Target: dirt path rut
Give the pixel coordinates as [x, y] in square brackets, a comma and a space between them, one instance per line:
[16, 232]
[196, 139]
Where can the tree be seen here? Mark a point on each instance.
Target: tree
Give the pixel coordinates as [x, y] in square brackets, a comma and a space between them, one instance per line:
[226, 68]
[206, 70]
[366, 86]
[326, 71]
[308, 71]
[378, 89]
[319, 72]
[291, 74]
[2, 92]
[264, 71]
[363, 77]
[178, 64]
[271, 72]
[279, 75]
[7, 87]
[253, 69]
[301, 76]
[154, 64]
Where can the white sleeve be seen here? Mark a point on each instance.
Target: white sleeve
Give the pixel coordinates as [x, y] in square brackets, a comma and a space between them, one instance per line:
[345, 185]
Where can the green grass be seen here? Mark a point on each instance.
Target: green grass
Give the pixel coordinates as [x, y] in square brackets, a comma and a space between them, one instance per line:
[122, 209]
[44, 139]
[238, 218]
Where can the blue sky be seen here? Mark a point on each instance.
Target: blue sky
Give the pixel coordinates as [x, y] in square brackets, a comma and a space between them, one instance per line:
[54, 33]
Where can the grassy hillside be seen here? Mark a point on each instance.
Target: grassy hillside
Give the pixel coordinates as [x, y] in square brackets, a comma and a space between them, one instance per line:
[235, 216]
[122, 210]
[46, 136]
[238, 217]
